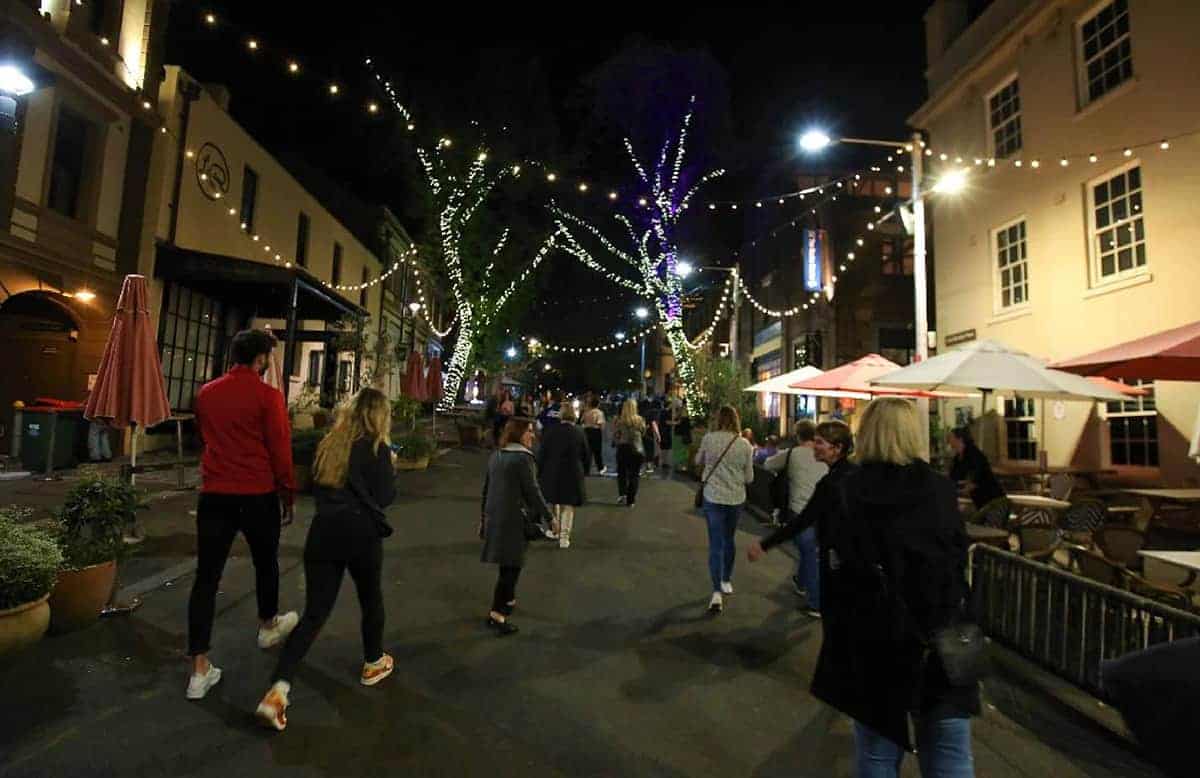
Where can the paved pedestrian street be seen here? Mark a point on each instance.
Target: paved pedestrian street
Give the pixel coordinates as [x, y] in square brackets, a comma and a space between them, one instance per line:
[616, 671]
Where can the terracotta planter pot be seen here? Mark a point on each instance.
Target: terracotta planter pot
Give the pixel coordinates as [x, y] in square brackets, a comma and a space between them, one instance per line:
[80, 595]
[22, 626]
[412, 464]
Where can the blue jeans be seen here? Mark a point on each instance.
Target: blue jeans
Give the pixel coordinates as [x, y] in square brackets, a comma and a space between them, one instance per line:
[722, 525]
[943, 750]
[808, 568]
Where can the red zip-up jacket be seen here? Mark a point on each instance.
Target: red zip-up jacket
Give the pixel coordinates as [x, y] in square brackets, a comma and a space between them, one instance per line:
[247, 440]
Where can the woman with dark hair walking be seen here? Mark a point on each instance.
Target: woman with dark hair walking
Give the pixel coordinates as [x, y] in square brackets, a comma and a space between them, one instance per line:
[513, 506]
[727, 464]
[355, 481]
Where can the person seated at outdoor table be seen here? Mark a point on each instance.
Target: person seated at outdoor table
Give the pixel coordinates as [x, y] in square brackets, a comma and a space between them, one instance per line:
[767, 450]
[971, 467]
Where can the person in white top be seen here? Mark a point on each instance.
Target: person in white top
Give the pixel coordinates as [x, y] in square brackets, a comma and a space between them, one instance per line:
[803, 472]
[727, 460]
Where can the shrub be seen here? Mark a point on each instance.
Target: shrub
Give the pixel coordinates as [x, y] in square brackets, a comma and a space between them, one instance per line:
[413, 446]
[93, 520]
[29, 559]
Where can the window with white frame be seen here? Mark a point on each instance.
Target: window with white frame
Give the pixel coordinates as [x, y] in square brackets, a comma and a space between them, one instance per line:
[1106, 54]
[1118, 232]
[1012, 265]
[1004, 119]
[1020, 430]
[1133, 429]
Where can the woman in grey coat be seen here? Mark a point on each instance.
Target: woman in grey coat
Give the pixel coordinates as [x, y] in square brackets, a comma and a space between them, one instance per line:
[511, 499]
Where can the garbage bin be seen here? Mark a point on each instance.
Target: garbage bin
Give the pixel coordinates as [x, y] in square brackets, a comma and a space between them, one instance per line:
[36, 425]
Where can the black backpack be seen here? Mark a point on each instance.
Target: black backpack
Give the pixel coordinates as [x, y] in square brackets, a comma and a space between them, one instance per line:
[781, 486]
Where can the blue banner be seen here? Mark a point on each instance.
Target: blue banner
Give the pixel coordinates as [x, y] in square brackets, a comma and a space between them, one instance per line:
[813, 275]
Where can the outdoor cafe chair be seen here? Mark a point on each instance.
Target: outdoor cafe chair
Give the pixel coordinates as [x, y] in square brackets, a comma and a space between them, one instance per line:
[1122, 544]
[1082, 519]
[992, 514]
[1099, 568]
[1061, 486]
[1037, 543]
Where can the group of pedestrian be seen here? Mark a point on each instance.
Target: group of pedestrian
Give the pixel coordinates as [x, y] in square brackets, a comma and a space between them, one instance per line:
[248, 487]
[884, 565]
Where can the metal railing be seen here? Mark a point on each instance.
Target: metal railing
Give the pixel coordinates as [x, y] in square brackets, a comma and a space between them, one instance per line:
[1064, 622]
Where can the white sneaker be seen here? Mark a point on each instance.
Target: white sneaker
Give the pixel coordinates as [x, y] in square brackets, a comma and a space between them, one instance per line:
[274, 635]
[726, 587]
[716, 604]
[272, 711]
[198, 685]
[564, 542]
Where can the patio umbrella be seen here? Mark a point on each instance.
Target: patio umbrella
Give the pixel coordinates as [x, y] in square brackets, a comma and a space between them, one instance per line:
[991, 367]
[129, 381]
[1117, 386]
[854, 380]
[781, 384]
[433, 380]
[1194, 449]
[414, 377]
[1171, 355]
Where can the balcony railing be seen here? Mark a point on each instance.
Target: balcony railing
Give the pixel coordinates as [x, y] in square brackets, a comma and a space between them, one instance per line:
[1066, 623]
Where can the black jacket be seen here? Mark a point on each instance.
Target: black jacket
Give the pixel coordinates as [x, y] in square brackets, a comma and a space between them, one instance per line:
[871, 664]
[822, 508]
[973, 466]
[562, 462]
[510, 494]
[344, 527]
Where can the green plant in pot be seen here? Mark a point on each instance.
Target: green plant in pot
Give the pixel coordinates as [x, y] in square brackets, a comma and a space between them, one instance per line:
[413, 451]
[91, 526]
[29, 563]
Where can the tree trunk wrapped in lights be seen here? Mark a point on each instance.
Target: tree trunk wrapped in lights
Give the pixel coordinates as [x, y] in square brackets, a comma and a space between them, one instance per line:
[478, 296]
[653, 253]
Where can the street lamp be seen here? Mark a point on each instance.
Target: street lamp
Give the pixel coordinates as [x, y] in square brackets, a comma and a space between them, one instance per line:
[511, 353]
[13, 84]
[620, 336]
[641, 312]
[951, 183]
[683, 268]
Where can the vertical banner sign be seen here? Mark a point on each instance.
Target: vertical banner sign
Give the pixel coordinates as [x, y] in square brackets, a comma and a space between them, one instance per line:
[813, 255]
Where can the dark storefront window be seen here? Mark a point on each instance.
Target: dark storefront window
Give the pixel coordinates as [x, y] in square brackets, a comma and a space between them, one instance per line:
[191, 342]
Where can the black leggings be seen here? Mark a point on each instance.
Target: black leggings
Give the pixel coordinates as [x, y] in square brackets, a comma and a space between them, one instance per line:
[595, 439]
[322, 579]
[219, 518]
[506, 588]
[629, 466]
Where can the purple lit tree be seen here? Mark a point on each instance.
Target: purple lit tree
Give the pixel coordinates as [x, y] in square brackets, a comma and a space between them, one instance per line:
[653, 253]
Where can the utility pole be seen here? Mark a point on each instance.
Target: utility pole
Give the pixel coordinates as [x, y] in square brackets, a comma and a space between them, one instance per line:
[920, 290]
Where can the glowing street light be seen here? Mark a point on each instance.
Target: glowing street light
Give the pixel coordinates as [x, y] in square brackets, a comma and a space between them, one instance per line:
[951, 183]
[683, 268]
[620, 336]
[814, 140]
[13, 81]
[641, 312]
[511, 353]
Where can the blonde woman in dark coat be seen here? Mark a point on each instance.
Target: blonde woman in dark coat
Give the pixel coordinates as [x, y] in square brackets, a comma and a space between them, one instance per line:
[512, 502]
[562, 464]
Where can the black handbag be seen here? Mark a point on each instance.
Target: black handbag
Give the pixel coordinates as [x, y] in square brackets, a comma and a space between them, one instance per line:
[699, 499]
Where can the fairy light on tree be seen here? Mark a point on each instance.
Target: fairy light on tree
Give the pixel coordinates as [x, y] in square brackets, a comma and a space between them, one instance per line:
[653, 254]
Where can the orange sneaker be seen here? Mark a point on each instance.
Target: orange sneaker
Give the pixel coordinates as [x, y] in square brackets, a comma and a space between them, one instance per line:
[271, 711]
[374, 672]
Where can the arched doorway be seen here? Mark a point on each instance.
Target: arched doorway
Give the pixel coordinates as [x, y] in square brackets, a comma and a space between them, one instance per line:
[40, 336]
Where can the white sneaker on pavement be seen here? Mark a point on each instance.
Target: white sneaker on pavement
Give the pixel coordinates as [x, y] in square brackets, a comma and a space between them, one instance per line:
[198, 685]
[280, 629]
[726, 587]
[716, 604]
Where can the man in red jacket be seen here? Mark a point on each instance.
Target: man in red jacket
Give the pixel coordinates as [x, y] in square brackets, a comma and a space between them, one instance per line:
[246, 470]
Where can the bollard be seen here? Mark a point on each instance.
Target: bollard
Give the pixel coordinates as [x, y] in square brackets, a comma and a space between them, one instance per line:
[18, 423]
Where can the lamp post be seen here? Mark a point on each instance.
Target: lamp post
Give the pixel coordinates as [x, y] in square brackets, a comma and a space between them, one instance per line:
[951, 183]
[642, 313]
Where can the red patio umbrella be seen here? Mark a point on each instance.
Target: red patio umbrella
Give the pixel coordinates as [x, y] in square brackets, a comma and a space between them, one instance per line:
[129, 381]
[433, 379]
[1171, 355]
[414, 377]
[853, 380]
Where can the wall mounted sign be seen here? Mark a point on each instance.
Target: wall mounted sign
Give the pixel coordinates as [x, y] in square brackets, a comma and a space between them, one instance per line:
[955, 338]
[814, 279]
[212, 172]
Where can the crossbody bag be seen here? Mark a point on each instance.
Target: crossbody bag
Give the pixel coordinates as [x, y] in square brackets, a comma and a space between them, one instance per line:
[699, 501]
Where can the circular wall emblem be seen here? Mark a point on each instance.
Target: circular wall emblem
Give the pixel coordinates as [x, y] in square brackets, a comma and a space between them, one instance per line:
[212, 172]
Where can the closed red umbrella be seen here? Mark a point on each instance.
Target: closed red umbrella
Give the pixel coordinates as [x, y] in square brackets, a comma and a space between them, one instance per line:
[414, 377]
[433, 379]
[129, 381]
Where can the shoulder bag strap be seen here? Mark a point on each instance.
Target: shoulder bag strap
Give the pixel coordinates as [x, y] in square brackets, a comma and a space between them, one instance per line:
[717, 464]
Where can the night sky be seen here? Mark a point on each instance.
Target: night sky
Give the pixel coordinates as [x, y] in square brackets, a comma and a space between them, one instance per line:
[762, 74]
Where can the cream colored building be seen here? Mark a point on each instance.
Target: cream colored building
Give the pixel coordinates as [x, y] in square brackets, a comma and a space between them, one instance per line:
[240, 242]
[76, 141]
[1079, 121]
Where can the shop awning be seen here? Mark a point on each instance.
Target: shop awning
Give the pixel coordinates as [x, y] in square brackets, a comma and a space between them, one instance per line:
[262, 289]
